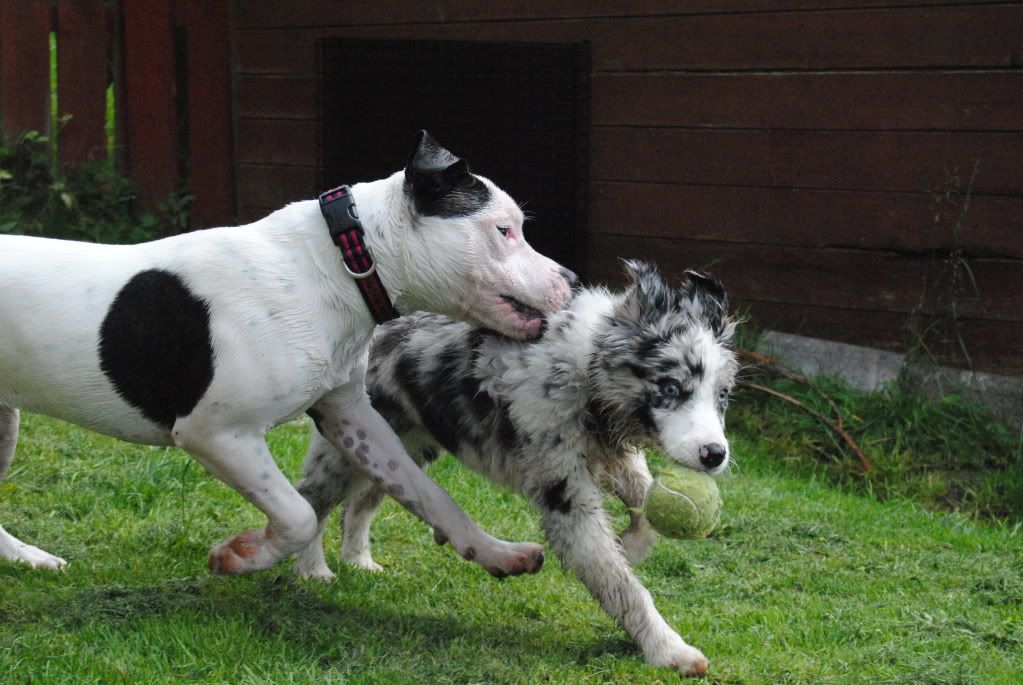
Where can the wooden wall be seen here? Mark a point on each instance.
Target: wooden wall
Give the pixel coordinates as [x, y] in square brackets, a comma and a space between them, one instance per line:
[837, 164]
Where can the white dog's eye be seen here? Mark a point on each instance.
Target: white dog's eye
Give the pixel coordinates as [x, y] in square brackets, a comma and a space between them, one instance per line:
[723, 398]
[503, 230]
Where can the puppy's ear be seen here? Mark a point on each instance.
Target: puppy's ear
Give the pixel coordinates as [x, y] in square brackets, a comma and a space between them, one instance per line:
[432, 170]
[649, 297]
[707, 299]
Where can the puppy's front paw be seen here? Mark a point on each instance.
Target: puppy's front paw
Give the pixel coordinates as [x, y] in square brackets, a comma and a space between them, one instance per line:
[638, 541]
[683, 658]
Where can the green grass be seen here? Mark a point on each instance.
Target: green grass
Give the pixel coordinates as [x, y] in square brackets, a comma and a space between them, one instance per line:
[802, 583]
[948, 455]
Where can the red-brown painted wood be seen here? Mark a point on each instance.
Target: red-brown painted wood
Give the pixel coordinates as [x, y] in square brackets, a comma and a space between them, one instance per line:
[853, 279]
[981, 225]
[24, 67]
[898, 38]
[298, 13]
[149, 99]
[211, 147]
[992, 345]
[272, 187]
[847, 160]
[82, 79]
[908, 100]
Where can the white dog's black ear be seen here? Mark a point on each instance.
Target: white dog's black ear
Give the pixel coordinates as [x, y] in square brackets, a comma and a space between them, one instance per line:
[707, 297]
[441, 183]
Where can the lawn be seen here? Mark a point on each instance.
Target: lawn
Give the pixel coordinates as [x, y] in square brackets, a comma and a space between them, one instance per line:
[801, 583]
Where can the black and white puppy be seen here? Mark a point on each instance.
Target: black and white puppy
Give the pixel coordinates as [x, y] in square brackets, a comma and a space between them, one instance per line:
[208, 339]
[557, 420]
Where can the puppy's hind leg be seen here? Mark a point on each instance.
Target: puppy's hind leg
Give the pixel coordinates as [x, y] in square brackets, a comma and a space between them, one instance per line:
[329, 479]
[11, 548]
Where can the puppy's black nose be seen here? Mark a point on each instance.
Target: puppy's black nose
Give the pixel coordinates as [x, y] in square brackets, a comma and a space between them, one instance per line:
[573, 280]
[712, 455]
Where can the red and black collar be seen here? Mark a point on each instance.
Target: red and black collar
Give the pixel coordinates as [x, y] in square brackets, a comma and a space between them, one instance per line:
[338, 207]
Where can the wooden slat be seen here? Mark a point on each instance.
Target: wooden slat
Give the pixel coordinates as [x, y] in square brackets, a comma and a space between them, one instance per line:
[149, 110]
[994, 346]
[901, 222]
[82, 79]
[868, 100]
[851, 279]
[851, 160]
[277, 98]
[890, 39]
[262, 14]
[209, 114]
[275, 186]
[24, 67]
[276, 141]
[938, 100]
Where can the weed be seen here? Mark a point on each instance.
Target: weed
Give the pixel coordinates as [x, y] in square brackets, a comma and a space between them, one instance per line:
[92, 202]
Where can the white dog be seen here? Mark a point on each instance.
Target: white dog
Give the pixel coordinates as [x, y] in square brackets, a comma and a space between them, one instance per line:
[207, 340]
[555, 419]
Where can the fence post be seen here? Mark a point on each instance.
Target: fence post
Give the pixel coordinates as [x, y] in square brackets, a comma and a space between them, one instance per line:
[149, 98]
[24, 66]
[210, 145]
[82, 77]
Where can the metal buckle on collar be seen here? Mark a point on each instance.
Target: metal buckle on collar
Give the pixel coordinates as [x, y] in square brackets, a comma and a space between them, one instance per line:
[368, 272]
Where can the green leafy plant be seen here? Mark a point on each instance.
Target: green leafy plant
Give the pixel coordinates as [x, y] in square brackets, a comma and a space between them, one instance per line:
[92, 202]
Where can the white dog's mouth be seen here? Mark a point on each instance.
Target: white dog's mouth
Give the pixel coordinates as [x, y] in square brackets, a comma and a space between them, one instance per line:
[525, 312]
[511, 317]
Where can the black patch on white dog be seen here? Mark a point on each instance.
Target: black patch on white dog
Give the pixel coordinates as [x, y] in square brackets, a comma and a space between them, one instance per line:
[440, 183]
[317, 416]
[155, 348]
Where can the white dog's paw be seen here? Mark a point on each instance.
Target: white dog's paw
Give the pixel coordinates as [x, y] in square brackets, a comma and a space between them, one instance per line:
[683, 658]
[37, 558]
[363, 561]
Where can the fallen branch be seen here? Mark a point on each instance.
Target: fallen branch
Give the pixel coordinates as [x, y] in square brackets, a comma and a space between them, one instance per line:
[865, 465]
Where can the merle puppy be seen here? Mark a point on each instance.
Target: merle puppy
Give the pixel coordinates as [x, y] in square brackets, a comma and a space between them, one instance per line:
[557, 420]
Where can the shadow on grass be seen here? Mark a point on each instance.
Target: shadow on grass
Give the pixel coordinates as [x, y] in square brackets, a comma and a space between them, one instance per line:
[281, 608]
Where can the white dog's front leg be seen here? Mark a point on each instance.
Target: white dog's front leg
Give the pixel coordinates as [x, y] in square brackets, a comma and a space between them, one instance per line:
[578, 530]
[365, 438]
[244, 462]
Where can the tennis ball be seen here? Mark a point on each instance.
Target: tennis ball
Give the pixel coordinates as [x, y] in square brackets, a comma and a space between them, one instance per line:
[683, 503]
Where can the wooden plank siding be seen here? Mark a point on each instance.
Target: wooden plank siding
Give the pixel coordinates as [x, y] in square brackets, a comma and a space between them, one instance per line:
[82, 76]
[823, 158]
[24, 67]
[149, 102]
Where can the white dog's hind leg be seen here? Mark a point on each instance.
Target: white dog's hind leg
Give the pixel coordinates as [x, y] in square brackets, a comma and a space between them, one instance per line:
[11, 548]
[244, 462]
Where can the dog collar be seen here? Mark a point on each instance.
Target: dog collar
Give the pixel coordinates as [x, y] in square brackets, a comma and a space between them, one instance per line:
[346, 231]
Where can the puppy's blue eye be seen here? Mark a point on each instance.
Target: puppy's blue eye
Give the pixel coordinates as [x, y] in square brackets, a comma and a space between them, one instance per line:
[503, 230]
[723, 398]
[671, 389]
